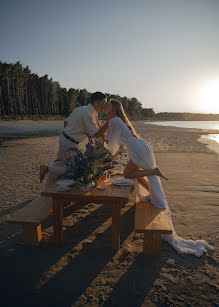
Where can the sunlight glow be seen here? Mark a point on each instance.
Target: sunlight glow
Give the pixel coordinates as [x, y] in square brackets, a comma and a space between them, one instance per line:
[210, 96]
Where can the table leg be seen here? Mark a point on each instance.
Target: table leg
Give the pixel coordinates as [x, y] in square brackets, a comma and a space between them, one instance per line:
[58, 221]
[116, 218]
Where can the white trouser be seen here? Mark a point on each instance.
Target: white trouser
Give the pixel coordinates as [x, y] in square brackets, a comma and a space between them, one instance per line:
[58, 167]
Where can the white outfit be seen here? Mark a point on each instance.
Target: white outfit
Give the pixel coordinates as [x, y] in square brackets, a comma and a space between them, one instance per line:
[82, 121]
[140, 152]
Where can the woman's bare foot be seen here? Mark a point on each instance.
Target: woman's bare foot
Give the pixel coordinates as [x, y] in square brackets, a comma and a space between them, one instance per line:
[158, 173]
[43, 171]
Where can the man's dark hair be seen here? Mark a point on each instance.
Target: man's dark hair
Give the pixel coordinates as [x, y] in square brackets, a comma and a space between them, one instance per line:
[97, 96]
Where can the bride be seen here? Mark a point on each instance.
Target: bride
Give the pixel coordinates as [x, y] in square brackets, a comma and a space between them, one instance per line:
[141, 164]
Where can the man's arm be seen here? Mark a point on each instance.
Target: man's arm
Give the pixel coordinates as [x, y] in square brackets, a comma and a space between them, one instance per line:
[97, 120]
[99, 134]
[91, 127]
[65, 123]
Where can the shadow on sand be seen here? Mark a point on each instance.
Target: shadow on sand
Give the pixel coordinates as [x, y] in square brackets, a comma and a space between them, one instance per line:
[50, 276]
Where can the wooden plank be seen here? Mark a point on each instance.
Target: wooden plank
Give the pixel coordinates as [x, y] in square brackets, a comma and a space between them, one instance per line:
[75, 191]
[123, 192]
[152, 243]
[32, 234]
[116, 220]
[150, 218]
[58, 221]
[35, 212]
[111, 193]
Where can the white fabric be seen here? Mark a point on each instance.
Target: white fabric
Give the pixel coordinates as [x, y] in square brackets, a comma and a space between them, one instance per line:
[58, 167]
[64, 185]
[114, 135]
[82, 121]
[140, 152]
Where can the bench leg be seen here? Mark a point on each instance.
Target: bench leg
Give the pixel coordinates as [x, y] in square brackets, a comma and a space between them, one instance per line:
[58, 221]
[32, 234]
[152, 243]
[116, 218]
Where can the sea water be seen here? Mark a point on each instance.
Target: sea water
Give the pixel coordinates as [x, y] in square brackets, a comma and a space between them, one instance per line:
[205, 125]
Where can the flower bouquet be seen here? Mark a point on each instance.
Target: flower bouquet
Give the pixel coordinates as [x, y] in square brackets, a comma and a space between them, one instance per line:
[87, 168]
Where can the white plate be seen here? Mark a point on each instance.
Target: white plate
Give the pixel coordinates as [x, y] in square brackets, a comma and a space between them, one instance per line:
[121, 182]
[118, 171]
[65, 182]
[101, 187]
[63, 188]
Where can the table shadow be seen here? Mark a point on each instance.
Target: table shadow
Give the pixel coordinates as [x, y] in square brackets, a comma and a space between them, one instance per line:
[23, 268]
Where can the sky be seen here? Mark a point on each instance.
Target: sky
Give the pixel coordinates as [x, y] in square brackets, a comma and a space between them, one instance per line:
[163, 52]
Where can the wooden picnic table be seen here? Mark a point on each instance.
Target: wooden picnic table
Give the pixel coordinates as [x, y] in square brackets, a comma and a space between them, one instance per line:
[113, 195]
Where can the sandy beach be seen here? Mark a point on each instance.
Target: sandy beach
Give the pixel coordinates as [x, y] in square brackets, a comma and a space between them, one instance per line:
[85, 271]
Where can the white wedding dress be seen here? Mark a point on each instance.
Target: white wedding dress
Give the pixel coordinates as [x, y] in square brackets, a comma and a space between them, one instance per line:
[140, 152]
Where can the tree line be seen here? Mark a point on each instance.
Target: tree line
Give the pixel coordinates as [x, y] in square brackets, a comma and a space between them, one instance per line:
[25, 94]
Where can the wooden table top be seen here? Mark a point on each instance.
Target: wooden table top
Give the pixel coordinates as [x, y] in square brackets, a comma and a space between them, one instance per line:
[111, 193]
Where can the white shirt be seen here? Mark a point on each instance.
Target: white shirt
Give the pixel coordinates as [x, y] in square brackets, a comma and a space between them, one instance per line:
[82, 121]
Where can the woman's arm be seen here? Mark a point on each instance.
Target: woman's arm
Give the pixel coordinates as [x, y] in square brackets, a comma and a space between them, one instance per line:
[113, 135]
[99, 134]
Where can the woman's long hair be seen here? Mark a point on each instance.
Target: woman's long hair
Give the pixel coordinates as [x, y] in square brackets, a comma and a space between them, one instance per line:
[121, 113]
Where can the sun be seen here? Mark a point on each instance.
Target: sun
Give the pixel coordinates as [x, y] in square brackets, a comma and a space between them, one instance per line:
[210, 96]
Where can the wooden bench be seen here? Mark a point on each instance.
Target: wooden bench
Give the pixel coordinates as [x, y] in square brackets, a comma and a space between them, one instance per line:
[31, 218]
[152, 222]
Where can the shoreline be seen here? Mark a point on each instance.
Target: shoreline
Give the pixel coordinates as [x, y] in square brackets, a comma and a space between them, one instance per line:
[53, 128]
[202, 136]
[41, 128]
[211, 144]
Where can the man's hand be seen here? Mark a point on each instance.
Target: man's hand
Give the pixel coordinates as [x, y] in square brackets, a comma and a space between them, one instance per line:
[99, 134]
[97, 120]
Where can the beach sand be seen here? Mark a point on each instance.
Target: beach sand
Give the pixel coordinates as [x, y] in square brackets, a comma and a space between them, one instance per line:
[85, 271]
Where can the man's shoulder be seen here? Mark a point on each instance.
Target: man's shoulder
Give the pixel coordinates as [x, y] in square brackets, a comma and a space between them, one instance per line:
[81, 111]
[88, 110]
[84, 108]
[78, 109]
[81, 108]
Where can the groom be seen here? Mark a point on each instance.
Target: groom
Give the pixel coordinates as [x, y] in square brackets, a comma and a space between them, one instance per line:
[81, 122]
